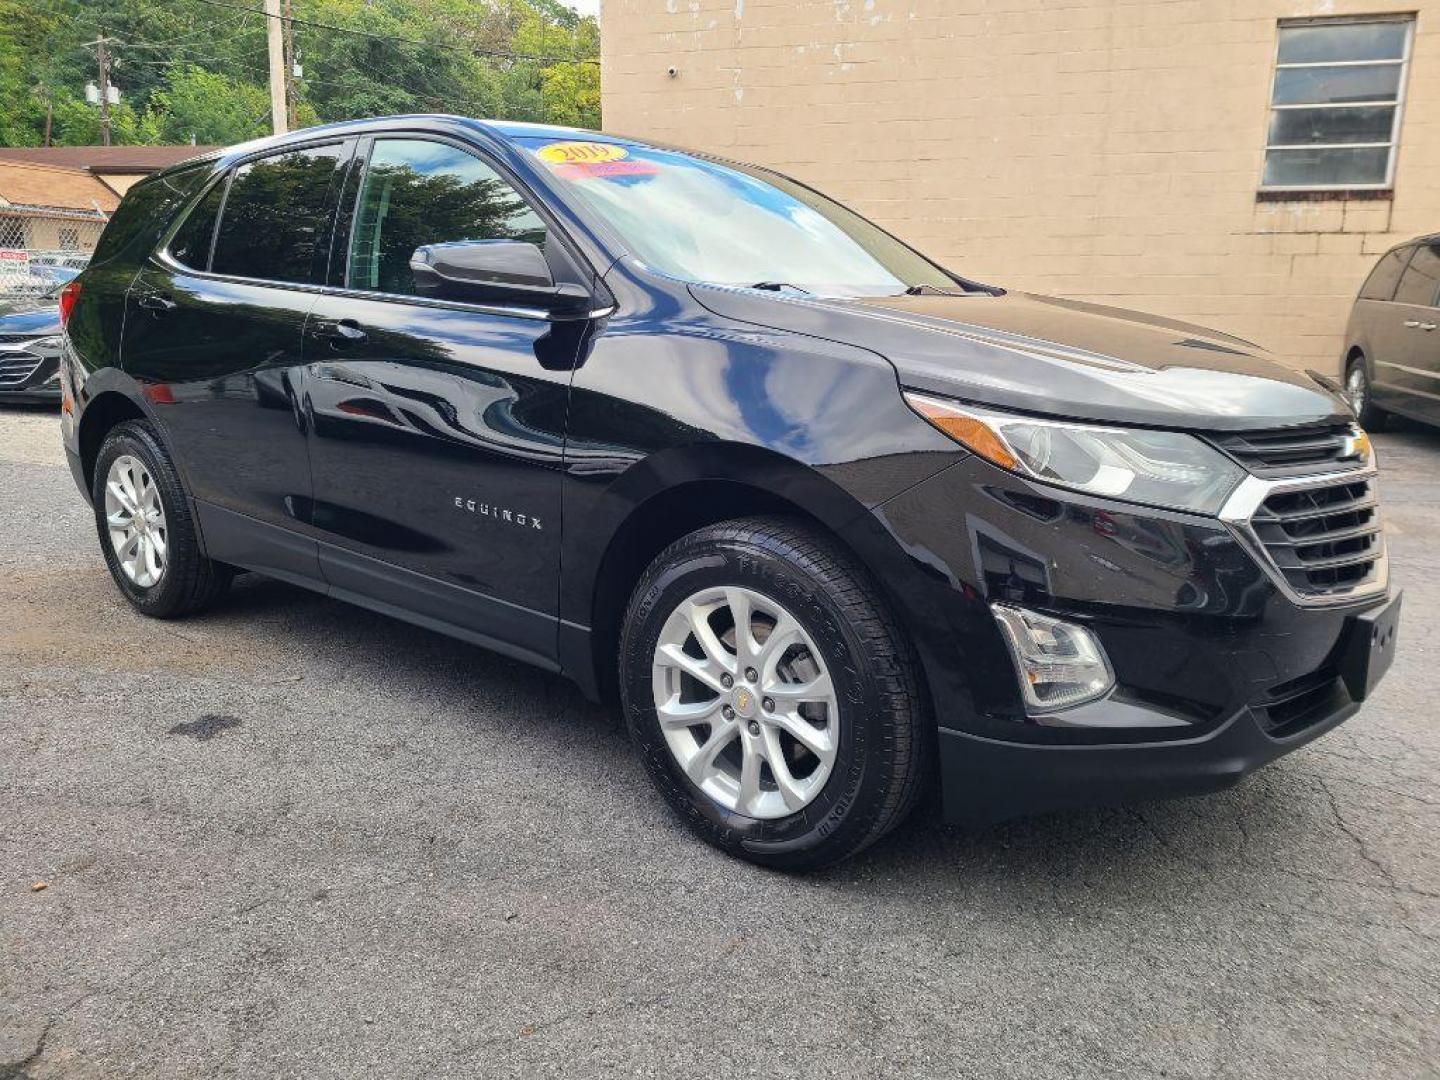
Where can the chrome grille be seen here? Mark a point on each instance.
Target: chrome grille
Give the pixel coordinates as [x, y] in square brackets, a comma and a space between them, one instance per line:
[1293, 451]
[15, 368]
[1325, 540]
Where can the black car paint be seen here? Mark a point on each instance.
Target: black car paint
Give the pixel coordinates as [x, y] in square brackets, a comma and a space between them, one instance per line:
[27, 365]
[359, 466]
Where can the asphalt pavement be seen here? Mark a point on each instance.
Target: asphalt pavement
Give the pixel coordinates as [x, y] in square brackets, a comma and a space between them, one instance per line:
[292, 838]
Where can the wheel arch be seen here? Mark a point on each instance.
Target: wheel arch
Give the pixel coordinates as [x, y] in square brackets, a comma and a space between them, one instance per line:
[101, 414]
[675, 493]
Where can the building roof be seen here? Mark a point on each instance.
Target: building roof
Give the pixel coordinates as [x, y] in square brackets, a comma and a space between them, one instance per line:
[105, 159]
[28, 185]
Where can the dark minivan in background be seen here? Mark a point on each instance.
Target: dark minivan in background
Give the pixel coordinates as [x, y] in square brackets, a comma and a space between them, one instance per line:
[831, 522]
[1392, 344]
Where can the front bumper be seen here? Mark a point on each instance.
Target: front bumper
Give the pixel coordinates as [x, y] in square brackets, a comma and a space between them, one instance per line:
[1218, 670]
[988, 781]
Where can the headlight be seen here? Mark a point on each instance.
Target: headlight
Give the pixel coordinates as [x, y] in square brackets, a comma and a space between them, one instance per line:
[1158, 468]
[54, 341]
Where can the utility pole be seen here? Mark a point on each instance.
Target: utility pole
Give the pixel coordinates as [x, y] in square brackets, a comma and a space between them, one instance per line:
[279, 115]
[103, 58]
[292, 102]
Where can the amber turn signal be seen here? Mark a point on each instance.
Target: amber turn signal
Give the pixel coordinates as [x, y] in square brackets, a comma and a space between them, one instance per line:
[967, 430]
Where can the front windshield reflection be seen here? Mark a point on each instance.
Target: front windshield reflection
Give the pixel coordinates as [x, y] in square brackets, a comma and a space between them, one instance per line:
[701, 221]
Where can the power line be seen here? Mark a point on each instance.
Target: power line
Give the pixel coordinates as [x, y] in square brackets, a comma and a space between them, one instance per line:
[249, 60]
[185, 37]
[395, 39]
[448, 98]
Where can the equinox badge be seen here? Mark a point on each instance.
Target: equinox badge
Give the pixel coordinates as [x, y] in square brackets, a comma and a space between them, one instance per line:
[498, 513]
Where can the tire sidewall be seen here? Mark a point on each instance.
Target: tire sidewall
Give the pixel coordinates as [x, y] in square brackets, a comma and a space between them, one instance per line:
[840, 808]
[135, 439]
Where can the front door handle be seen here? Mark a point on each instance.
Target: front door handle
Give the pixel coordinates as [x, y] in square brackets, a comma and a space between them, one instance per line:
[1412, 323]
[157, 304]
[345, 334]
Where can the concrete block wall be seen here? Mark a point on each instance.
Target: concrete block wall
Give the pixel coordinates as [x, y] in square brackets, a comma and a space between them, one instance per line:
[1109, 150]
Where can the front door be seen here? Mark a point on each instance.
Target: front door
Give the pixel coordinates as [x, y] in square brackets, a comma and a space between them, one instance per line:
[213, 332]
[437, 428]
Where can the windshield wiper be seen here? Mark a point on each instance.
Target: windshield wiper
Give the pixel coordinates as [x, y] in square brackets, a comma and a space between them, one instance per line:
[779, 286]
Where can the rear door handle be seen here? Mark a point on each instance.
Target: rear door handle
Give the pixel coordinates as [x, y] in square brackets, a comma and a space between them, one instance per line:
[1428, 325]
[345, 334]
[157, 304]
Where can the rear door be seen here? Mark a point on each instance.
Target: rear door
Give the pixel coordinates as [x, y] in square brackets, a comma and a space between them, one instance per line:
[213, 331]
[1412, 359]
[437, 428]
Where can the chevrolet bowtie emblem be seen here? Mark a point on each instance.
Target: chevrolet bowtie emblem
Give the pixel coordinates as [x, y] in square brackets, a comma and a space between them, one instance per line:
[1356, 446]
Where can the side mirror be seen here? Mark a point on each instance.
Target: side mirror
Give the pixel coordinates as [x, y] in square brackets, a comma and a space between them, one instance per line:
[508, 271]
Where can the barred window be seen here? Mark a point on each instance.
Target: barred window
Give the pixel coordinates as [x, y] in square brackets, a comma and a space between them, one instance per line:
[1335, 103]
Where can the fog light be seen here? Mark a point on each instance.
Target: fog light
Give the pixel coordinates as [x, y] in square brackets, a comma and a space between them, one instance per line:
[1060, 664]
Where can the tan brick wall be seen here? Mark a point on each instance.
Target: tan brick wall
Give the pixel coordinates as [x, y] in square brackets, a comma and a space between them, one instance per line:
[1100, 149]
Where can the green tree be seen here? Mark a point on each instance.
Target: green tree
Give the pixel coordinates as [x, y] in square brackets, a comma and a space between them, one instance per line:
[207, 107]
[187, 69]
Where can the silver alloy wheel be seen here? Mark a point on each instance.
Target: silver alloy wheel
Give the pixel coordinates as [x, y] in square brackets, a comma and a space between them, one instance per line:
[1357, 387]
[136, 520]
[745, 702]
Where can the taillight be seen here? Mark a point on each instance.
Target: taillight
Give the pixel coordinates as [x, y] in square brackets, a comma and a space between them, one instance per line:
[68, 295]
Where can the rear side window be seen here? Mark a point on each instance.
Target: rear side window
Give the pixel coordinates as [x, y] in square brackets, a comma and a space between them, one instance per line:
[145, 211]
[191, 243]
[416, 193]
[1422, 277]
[275, 224]
[1380, 285]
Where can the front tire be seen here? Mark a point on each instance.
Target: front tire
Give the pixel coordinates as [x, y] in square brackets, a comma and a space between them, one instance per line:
[1360, 395]
[773, 698]
[146, 530]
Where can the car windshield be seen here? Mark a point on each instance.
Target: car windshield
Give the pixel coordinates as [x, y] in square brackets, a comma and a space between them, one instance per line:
[728, 224]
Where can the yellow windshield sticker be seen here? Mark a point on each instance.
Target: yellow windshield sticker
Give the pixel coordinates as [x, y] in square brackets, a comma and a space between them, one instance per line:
[581, 153]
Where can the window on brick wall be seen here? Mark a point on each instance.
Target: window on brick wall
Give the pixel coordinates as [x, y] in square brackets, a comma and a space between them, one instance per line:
[1335, 103]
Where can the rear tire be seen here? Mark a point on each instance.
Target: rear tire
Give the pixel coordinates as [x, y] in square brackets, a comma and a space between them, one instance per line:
[146, 529]
[846, 723]
[1360, 395]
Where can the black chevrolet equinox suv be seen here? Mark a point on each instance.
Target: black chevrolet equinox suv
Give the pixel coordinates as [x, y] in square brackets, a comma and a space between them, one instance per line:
[832, 523]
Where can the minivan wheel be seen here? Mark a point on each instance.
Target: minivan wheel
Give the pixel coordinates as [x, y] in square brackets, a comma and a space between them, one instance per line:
[772, 696]
[146, 530]
[1358, 394]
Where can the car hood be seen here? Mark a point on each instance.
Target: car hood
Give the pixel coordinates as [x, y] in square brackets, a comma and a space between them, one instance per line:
[30, 317]
[1057, 357]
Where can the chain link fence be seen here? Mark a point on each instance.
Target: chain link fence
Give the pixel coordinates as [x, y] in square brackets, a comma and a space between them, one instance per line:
[42, 248]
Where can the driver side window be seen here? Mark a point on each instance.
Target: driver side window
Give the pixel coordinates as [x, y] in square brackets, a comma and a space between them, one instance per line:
[417, 192]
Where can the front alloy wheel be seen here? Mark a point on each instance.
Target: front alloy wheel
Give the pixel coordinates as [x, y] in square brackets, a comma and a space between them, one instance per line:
[1357, 388]
[1360, 397]
[772, 695]
[745, 702]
